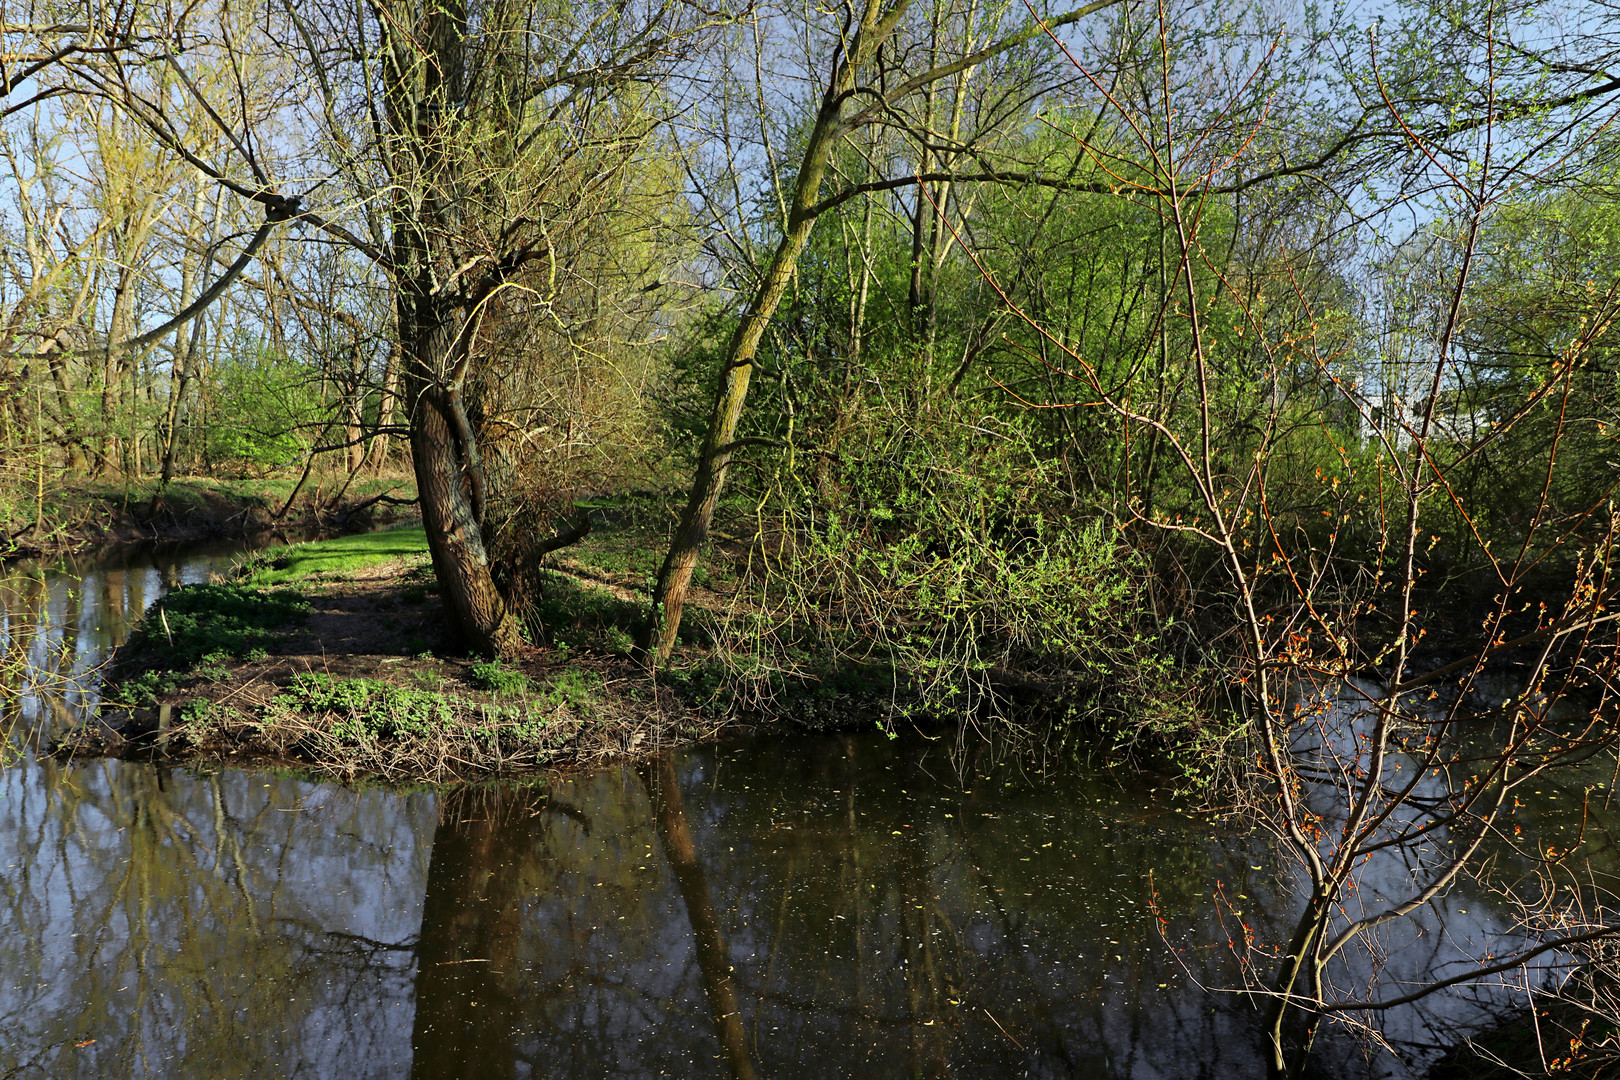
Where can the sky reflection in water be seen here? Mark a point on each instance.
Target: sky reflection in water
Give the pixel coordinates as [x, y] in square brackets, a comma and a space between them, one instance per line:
[844, 906]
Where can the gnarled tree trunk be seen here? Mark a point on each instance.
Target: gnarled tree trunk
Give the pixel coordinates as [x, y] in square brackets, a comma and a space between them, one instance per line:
[449, 482]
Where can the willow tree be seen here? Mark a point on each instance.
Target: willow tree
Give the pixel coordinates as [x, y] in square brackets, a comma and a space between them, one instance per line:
[500, 144]
[461, 148]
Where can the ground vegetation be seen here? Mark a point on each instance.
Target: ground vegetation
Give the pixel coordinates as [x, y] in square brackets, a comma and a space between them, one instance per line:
[1109, 374]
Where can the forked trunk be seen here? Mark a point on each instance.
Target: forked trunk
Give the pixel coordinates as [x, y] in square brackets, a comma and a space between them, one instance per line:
[471, 598]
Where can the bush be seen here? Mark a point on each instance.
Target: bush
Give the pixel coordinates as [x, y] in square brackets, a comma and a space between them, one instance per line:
[936, 547]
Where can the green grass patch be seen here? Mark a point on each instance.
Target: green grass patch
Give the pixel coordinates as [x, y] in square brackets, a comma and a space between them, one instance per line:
[200, 627]
[367, 708]
[335, 557]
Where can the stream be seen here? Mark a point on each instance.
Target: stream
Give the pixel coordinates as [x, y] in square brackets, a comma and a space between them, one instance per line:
[832, 906]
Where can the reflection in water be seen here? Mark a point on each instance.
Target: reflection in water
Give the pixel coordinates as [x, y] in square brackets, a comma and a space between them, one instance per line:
[469, 966]
[815, 907]
[156, 926]
[714, 959]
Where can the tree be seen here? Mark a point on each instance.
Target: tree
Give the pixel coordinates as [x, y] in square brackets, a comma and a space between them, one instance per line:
[467, 145]
[856, 87]
[1421, 761]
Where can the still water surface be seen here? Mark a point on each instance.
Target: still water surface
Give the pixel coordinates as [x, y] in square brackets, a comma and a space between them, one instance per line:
[809, 907]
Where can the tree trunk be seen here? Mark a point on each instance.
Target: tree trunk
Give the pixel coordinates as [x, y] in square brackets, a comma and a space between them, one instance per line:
[187, 339]
[437, 328]
[354, 452]
[658, 635]
[449, 482]
[475, 605]
[377, 452]
[180, 383]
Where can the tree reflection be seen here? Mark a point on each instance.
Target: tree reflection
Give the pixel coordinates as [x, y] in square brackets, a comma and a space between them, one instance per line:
[468, 986]
[155, 925]
[714, 958]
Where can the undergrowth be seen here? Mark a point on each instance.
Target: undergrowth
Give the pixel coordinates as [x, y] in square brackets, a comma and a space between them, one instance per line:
[366, 709]
[202, 627]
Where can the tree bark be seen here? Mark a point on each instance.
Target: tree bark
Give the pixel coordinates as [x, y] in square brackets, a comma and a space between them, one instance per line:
[437, 326]
[454, 533]
[658, 635]
[353, 413]
[377, 452]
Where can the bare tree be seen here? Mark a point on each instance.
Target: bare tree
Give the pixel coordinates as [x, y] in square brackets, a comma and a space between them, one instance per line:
[1326, 577]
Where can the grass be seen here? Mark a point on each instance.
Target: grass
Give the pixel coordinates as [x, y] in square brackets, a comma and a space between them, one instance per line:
[628, 544]
[579, 614]
[335, 557]
[414, 719]
[194, 631]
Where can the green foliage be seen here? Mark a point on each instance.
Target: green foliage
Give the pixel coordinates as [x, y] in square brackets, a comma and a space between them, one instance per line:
[574, 689]
[709, 683]
[366, 709]
[428, 678]
[496, 677]
[204, 624]
[265, 406]
[362, 712]
[933, 547]
[229, 618]
[145, 687]
[574, 613]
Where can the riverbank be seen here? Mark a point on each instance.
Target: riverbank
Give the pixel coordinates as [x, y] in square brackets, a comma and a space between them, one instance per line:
[332, 658]
[93, 514]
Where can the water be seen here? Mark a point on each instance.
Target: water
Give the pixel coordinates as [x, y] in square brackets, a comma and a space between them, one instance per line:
[831, 906]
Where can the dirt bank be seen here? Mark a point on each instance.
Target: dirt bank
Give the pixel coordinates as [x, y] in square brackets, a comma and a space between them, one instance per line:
[332, 658]
[197, 508]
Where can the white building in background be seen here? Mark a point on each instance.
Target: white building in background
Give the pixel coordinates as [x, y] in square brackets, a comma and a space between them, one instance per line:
[1395, 416]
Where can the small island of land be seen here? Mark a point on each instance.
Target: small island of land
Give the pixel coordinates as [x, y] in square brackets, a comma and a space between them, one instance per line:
[333, 657]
